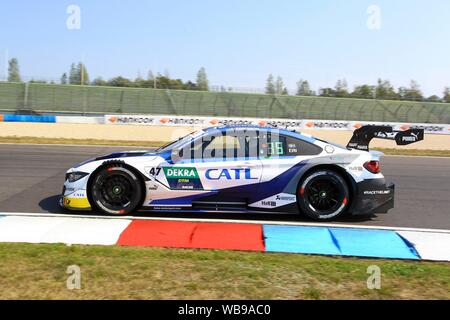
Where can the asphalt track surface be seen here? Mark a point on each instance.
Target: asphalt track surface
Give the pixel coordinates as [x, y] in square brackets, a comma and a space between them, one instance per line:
[31, 179]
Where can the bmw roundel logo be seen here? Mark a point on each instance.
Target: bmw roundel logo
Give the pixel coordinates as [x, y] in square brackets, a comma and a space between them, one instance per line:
[329, 149]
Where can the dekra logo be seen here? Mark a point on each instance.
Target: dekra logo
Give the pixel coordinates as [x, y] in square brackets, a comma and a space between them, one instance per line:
[180, 173]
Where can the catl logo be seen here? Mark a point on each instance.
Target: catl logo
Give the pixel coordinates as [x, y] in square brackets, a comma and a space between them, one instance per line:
[229, 174]
[180, 173]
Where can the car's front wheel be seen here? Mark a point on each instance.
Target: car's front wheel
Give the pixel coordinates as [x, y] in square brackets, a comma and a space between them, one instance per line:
[116, 190]
[323, 195]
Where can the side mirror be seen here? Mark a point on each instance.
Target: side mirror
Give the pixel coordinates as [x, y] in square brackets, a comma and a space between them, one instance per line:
[176, 155]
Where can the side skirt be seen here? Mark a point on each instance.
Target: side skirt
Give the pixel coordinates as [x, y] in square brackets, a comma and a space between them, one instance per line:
[220, 210]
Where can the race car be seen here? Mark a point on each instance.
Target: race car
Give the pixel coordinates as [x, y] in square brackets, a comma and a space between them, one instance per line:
[245, 169]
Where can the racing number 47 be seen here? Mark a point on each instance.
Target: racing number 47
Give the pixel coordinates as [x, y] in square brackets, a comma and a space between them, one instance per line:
[155, 171]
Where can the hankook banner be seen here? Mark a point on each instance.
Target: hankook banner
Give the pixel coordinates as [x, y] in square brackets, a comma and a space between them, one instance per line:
[304, 124]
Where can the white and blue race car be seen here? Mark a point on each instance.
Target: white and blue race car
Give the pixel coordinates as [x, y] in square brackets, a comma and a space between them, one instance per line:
[247, 169]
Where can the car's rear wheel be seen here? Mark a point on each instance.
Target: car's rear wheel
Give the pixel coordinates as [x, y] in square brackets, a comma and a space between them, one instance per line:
[116, 190]
[323, 195]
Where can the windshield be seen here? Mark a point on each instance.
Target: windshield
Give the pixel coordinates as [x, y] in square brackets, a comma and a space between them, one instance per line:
[181, 141]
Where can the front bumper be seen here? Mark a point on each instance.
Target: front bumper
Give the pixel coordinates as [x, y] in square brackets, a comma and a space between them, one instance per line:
[373, 196]
[74, 199]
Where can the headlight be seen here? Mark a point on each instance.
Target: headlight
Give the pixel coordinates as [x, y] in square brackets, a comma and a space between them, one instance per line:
[75, 176]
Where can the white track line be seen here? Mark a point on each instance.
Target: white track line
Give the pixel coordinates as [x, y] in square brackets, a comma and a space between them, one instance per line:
[287, 223]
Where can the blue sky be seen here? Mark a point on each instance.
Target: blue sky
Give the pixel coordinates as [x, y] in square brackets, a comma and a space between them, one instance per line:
[238, 42]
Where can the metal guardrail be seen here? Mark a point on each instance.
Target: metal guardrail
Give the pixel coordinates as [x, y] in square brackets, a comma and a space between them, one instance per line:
[103, 100]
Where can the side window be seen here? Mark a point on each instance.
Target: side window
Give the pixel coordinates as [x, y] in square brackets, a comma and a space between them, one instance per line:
[243, 146]
[219, 147]
[224, 146]
[286, 146]
[298, 147]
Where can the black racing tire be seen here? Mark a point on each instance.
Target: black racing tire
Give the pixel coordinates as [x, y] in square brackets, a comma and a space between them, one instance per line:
[323, 195]
[116, 190]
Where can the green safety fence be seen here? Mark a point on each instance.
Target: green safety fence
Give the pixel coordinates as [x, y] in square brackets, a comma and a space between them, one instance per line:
[103, 100]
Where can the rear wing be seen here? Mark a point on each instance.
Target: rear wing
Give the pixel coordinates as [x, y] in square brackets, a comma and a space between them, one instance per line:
[362, 136]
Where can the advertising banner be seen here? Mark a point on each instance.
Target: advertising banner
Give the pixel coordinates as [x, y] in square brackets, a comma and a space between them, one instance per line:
[298, 124]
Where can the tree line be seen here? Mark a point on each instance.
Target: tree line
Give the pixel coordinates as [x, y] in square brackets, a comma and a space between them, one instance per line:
[383, 89]
[79, 75]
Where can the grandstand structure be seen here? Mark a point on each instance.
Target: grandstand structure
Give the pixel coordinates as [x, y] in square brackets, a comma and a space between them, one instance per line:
[87, 100]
